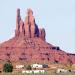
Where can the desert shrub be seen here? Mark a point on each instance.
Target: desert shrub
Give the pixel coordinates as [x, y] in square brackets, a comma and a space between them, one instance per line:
[29, 67]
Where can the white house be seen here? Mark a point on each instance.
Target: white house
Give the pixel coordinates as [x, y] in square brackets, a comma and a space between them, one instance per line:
[37, 66]
[61, 70]
[27, 71]
[38, 71]
[19, 66]
[33, 71]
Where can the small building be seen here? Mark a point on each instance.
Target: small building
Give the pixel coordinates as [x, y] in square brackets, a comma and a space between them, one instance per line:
[19, 66]
[37, 66]
[61, 70]
[45, 66]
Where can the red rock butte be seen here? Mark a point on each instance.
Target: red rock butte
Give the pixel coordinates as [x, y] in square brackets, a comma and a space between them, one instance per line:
[29, 44]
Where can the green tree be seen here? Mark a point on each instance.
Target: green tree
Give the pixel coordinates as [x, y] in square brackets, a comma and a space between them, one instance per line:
[8, 67]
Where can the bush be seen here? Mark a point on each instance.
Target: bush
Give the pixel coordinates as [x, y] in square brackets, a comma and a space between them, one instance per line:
[8, 67]
[29, 67]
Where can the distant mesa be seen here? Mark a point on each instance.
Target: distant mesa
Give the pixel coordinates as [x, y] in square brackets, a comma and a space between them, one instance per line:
[29, 44]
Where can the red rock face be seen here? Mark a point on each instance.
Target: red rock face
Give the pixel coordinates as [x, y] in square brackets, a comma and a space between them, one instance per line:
[29, 44]
[28, 28]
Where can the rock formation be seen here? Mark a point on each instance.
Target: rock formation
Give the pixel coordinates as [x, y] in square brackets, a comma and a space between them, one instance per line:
[28, 28]
[29, 44]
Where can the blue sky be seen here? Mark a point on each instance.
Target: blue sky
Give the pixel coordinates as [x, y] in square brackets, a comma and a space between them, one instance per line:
[56, 16]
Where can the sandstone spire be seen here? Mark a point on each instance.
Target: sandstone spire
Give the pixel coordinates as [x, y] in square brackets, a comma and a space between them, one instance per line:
[42, 34]
[29, 24]
[22, 31]
[27, 27]
[18, 18]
